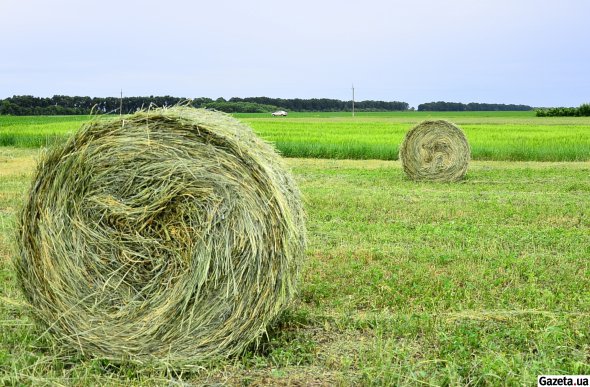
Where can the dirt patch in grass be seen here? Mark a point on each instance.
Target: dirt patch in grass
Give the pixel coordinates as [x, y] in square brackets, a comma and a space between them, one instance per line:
[11, 166]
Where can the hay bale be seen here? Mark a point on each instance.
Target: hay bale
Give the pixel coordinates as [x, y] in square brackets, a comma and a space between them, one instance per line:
[172, 235]
[435, 151]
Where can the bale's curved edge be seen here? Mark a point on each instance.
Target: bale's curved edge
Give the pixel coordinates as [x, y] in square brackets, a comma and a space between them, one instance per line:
[435, 151]
[171, 235]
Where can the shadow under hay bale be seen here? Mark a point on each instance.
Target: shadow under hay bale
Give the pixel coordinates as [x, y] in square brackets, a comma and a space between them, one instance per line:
[171, 235]
[435, 151]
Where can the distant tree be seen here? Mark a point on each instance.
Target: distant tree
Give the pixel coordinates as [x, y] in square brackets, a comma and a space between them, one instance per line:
[581, 111]
[584, 110]
[199, 102]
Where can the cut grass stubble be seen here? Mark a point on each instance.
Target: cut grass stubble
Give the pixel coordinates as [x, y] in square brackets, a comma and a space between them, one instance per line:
[406, 283]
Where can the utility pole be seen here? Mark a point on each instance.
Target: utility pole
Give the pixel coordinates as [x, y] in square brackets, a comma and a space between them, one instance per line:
[353, 99]
[121, 104]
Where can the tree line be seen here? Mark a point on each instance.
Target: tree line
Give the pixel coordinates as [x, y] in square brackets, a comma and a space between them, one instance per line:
[442, 106]
[23, 105]
[325, 104]
[66, 105]
[581, 111]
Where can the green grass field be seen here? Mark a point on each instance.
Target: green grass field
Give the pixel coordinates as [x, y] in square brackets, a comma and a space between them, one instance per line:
[484, 282]
[500, 136]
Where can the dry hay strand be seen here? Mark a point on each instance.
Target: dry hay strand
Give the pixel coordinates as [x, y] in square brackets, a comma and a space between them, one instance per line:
[171, 235]
[435, 151]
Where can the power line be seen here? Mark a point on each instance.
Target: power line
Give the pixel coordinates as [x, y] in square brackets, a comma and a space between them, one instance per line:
[353, 99]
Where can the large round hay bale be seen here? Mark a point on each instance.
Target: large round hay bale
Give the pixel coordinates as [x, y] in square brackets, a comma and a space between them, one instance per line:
[435, 151]
[173, 234]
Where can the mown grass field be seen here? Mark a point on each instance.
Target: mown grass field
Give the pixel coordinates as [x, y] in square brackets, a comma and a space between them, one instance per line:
[484, 282]
[500, 136]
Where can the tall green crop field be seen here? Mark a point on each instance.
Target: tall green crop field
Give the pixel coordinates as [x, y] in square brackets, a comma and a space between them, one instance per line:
[501, 136]
[508, 136]
[37, 131]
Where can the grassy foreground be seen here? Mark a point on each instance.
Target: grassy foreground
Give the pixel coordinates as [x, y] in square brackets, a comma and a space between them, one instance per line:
[479, 283]
[516, 136]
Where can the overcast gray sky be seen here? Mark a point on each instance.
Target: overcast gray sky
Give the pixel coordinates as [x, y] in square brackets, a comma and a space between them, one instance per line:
[533, 52]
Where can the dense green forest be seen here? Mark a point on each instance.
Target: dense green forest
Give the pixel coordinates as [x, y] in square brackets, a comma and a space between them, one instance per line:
[581, 111]
[442, 106]
[325, 104]
[24, 105]
[64, 105]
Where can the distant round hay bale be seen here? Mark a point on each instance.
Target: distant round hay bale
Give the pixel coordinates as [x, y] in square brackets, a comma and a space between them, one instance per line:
[171, 235]
[435, 151]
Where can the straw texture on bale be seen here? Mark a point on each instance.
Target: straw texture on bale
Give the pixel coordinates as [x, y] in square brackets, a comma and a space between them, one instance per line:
[435, 151]
[173, 234]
